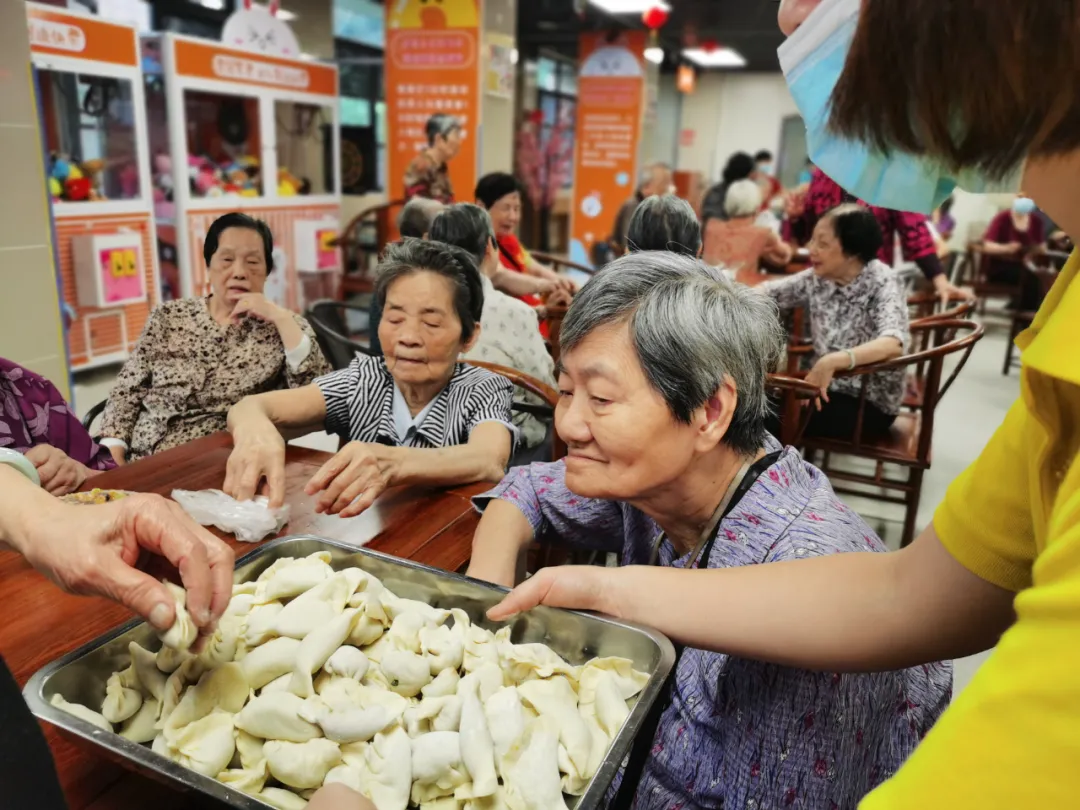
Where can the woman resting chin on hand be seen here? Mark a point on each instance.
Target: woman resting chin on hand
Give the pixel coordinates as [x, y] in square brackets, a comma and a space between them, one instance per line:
[414, 416]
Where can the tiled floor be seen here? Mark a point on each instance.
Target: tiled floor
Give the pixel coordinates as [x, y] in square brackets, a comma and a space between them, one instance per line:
[966, 418]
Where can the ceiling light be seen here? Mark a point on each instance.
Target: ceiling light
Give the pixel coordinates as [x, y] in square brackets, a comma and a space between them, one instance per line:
[629, 6]
[720, 57]
[216, 5]
[286, 16]
[655, 55]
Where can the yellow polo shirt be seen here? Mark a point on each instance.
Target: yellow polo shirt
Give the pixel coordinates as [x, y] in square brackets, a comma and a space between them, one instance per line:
[1012, 738]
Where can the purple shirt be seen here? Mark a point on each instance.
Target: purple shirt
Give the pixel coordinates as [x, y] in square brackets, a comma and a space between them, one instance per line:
[741, 733]
[32, 412]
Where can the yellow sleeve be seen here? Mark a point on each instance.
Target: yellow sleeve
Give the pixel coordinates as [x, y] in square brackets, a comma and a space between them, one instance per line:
[1012, 738]
[985, 521]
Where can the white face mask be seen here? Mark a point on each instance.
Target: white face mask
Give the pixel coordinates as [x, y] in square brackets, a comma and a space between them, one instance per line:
[812, 60]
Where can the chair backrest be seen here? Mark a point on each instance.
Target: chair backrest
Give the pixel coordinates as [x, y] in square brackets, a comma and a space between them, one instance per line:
[363, 239]
[793, 418]
[928, 306]
[946, 337]
[534, 386]
[92, 415]
[327, 319]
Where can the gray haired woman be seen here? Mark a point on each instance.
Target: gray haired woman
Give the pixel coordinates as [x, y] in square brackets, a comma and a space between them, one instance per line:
[664, 223]
[738, 243]
[662, 407]
[427, 174]
[414, 416]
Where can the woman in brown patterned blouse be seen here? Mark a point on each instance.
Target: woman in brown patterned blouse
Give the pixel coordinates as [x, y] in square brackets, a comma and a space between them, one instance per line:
[198, 357]
[427, 174]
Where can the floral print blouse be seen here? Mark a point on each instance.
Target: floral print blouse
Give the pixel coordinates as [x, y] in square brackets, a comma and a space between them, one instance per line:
[741, 734]
[187, 370]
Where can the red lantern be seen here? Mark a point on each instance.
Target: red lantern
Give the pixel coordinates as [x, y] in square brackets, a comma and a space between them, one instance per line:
[710, 45]
[655, 17]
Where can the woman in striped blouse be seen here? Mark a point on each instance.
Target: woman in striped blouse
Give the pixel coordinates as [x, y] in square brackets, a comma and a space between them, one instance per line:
[414, 416]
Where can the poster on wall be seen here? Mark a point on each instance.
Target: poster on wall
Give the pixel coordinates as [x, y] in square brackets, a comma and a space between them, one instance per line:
[611, 85]
[499, 75]
[432, 66]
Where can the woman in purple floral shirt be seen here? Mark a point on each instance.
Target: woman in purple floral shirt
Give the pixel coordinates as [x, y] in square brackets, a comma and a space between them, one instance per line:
[37, 422]
[662, 408]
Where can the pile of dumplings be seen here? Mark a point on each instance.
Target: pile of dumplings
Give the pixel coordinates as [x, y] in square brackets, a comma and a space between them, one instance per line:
[315, 676]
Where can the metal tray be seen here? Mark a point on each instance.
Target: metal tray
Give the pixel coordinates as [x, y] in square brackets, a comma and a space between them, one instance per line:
[80, 676]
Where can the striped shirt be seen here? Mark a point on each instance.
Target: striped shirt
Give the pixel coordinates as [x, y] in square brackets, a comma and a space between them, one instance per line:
[360, 405]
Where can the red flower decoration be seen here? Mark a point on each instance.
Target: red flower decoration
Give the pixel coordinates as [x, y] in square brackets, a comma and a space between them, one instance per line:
[655, 18]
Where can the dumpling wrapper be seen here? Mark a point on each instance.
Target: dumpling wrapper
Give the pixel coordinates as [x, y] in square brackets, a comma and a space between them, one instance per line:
[142, 726]
[315, 607]
[406, 672]
[121, 702]
[261, 623]
[442, 647]
[489, 679]
[348, 662]
[573, 782]
[301, 765]
[555, 698]
[249, 749]
[445, 684]
[599, 697]
[294, 579]
[241, 602]
[151, 679]
[279, 684]
[346, 775]
[397, 606]
[531, 769]
[433, 714]
[373, 620]
[224, 689]
[82, 712]
[506, 719]
[348, 725]
[249, 782]
[188, 672]
[494, 802]
[436, 760]
[387, 770]
[221, 647]
[282, 799]
[404, 634]
[207, 745]
[314, 651]
[272, 660]
[169, 660]
[277, 717]
[480, 648]
[477, 747]
[628, 680]
[183, 632]
[521, 662]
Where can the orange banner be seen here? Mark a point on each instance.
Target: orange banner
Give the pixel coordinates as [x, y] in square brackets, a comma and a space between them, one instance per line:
[208, 60]
[432, 66]
[611, 89]
[54, 31]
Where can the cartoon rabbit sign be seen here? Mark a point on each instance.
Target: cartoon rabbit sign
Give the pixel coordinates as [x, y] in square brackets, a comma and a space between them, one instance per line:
[257, 28]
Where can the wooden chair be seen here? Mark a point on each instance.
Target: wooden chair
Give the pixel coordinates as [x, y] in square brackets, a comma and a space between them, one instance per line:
[328, 320]
[536, 387]
[361, 243]
[1043, 270]
[561, 263]
[791, 393]
[92, 415]
[927, 305]
[908, 442]
[978, 263]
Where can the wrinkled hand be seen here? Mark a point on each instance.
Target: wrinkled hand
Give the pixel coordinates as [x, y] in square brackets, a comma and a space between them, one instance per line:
[566, 284]
[352, 480]
[337, 796]
[98, 550]
[559, 297]
[258, 455]
[257, 305]
[59, 472]
[795, 204]
[945, 290]
[579, 587]
[822, 373]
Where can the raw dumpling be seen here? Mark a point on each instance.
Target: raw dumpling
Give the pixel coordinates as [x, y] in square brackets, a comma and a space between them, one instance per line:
[348, 662]
[242, 601]
[272, 660]
[168, 659]
[495, 802]
[301, 765]
[121, 703]
[404, 633]
[477, 748]
[436, 763]
[373, 620]
[522, 662]
[433, 714]
[628, 680]
[221, 647]
[387, 770]
[349, 725]
[339, 693]
[480, 648]
[279, 684]
[141, 728]
[555, 698]
[150, 677]
[600, 698]
[249, 749]
[183, 632]
[531, 769]
[442, 647]
[249, 782]
[396, 606]
[282, 799]
[83, 713]
[188, 672]
[315, 607]
[277, 717]
[261, 623]
[207, 745]
[506, 719]
[489, 678]
[224, 689]
[314, 651]
[406, 672]
[445, 683]
[292, 580]
[346, 775]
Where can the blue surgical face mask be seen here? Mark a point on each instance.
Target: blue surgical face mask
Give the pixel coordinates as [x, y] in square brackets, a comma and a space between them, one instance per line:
[765, 168]
[812, 60]
[1023, 205]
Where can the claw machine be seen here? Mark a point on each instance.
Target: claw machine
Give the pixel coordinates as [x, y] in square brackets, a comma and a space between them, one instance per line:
[247, 125]
[93, 121]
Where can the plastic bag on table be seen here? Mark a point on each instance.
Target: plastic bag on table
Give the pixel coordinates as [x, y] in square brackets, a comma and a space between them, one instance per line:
[250, 521]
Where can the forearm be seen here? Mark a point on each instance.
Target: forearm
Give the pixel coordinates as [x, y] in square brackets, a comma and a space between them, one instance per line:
[997, 249]
[292, 412]
[876, 351]
[21, 505]
[541, 271]
[119, 454]
[444, 466]
[517, 284]
[503, 534]
[931, 266]
[289, 330]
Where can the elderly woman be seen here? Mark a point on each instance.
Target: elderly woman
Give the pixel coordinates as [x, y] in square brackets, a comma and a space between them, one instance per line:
[1012, 233]
[509, 335]
[414, 416]
[663, 346]
[198, 357]
[428, 175]
[664, 223]
[858, 316]
[739, 243]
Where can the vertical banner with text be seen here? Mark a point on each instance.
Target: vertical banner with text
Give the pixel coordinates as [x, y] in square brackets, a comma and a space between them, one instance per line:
[432, 66]
[611, 84]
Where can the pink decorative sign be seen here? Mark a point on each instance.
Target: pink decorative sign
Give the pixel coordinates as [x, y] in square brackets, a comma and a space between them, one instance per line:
[121, 274]
[327, 253]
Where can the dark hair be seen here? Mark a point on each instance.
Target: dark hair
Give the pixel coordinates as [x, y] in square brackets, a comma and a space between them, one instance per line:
[941, 106]
[857, 229]
[466, 226]
[238, 220]
[440, 124]
[494, 186]
[764, 154]
[417, 215]
[664, 223]
[739, 166]
[417, 255]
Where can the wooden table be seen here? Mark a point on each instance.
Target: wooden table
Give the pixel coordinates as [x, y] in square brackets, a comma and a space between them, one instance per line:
[41, 623]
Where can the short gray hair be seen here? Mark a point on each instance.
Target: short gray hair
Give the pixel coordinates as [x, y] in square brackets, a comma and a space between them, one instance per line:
[664, 223]
[440, 124]
[417, 215]
[466, 226]
[743, 199]
[691, 329]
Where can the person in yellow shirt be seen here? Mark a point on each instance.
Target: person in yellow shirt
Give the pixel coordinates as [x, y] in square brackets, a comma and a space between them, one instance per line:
[988, 94]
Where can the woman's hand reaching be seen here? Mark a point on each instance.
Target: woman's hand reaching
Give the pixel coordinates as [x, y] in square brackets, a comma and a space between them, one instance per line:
[258, 456]
[352, 480]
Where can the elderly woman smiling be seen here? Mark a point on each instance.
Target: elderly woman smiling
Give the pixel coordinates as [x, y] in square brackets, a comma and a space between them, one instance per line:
[661, 345]
[414, 416]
